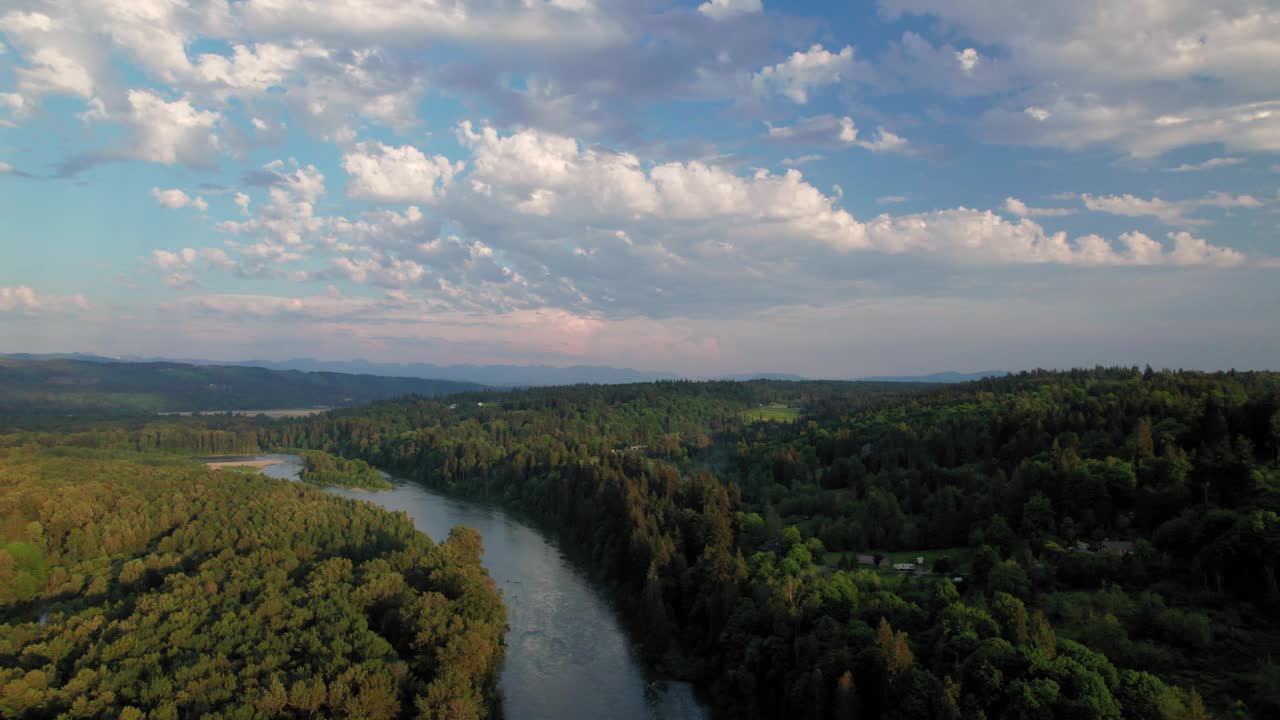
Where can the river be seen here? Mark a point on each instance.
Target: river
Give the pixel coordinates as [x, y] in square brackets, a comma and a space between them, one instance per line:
[568, 657]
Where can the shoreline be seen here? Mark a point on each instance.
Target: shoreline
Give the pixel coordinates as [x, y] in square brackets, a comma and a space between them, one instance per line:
[242, 463]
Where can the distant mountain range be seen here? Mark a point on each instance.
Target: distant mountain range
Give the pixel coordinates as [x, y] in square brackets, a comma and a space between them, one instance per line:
[39, 385]
[499, 375]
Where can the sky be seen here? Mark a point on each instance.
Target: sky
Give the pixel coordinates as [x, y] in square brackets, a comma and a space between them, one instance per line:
[731, 186]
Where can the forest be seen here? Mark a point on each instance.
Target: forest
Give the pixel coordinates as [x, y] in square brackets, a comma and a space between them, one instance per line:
[144, 585]
[1098, 543]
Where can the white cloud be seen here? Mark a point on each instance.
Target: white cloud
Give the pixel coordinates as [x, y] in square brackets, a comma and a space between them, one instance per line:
[1132, 77]
[576, 185]
[885, 142]
[1210, 164]
[175, 199]
[1189, 250]
[179, 267]
[397, 174]
[166, 260]
[51, 71]
[968, 60]
[804, 72]
[556, 24]
[1167, 212]
[23, 300]
[817, 130]
[1094, 41]
[983, 237]
[171, 132]
[549, 174]
[829, 130]
[1038, 114]
[1077, 122]
[254, 69]
[725, 9]
[1015, 206]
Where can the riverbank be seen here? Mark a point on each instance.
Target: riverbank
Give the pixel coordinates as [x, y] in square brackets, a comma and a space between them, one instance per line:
[258, 464]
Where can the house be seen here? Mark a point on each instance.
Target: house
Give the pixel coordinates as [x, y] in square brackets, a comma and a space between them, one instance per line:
[904, 567]
[1116, 547]
[866, 559]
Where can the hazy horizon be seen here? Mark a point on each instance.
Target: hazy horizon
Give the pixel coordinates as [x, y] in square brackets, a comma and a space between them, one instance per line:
[893, 188]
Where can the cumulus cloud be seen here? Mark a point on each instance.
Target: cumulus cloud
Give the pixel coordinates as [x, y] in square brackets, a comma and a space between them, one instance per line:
[804, 72]
[172, 132]
[580, 184]
[397, 174]
[1015, 206]
[175, 199]
[25, 301]
[885, 142]
[725, 9]
[280, 232]
[981, 236]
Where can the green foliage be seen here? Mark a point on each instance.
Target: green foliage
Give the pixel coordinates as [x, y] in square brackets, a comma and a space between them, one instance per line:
[167, 590]
[321, 468]
[772, 413]
[1130, 521]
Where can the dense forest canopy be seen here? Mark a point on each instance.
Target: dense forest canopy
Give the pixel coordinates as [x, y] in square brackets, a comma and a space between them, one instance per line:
[63, 386]
[1105, 542]
[152, 587]
[321, 468]
[1089, 544]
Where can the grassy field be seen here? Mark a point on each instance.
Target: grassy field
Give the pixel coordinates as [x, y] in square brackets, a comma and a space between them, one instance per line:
[772, 413]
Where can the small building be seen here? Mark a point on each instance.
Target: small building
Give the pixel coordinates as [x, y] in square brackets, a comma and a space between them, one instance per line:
[1119, 548]
[866, 559]
[904, 567]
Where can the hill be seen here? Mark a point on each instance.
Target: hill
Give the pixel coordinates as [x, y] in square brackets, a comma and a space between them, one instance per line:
[65, 386]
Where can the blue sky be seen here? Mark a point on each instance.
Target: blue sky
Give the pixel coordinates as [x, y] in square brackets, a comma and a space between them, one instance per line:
[833, 189]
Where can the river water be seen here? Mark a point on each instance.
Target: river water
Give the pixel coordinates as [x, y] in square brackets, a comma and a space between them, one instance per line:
[568, 657]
